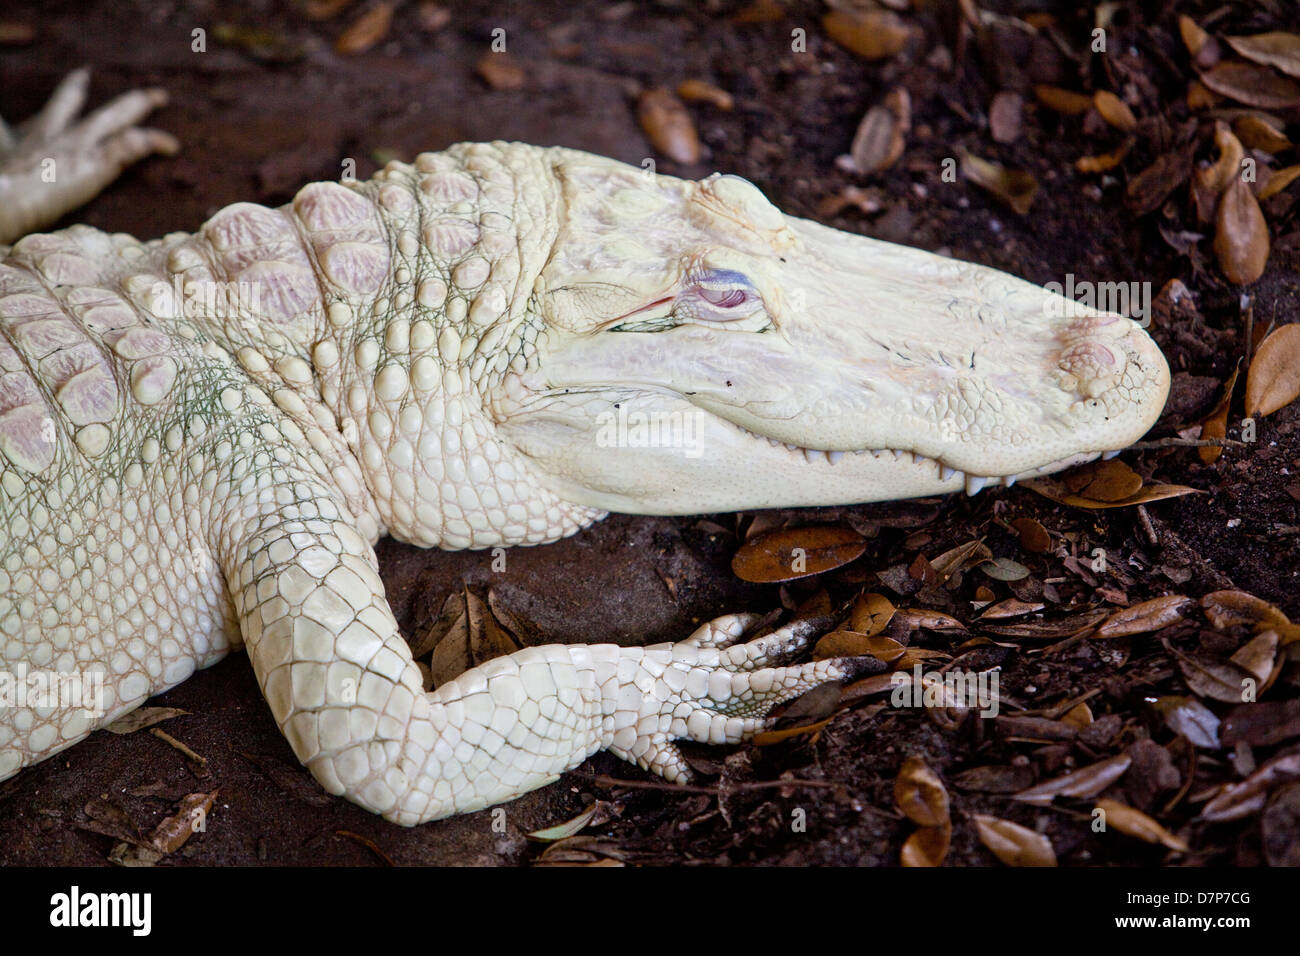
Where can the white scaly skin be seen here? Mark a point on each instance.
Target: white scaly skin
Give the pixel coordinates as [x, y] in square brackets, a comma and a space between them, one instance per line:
[426, 358]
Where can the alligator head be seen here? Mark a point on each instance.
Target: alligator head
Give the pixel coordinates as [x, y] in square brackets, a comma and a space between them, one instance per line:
[702, 351]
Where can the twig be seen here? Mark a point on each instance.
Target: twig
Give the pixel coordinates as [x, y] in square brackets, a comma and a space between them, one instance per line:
[601, 780]
[1187, 443]
[1148, 528]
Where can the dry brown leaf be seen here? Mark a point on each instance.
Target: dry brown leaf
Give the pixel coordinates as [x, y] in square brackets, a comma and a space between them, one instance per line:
[1189, 717]
[1253, 85]
[871, 34]
[1277, 49]
[1279, 180]
[668, 125]
[1148, 616]
[1062, 101]
[882, 134]
[1257, 656]
[1104, 161]
[1256, 133]
[1014, 187]
[1199, 96]
[1240, 235]
[920, 794]
[1011, 607]
[769, 737]
[367, 30]
[1053, 489]
[927, 847]
[760, 11]
[1218, 176]
[1135, 823]
[1050, 630]
[1114, 111]
[1227, 609]
[1215, 424]
[1148, 190]
[500, 71]
[912, 618]
[871, 613]
[143, 717]
[1194, 38]
[1273, 380]
[1237, 800]
[1085, 782]
[705, 92]
[1034, 538]
[1079, 716]
[790, 553]
[957, 559]
[1217, 680]
[1013, 844]
[854, 644]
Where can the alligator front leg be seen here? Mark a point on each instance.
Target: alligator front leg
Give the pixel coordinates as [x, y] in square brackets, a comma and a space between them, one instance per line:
[343, 688]
[48, 167]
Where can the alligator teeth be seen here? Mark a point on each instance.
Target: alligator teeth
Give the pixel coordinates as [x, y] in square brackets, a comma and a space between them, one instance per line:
[945, 472]
[1108, 455]
[975, 484]
[1009, 480]
[834, 456]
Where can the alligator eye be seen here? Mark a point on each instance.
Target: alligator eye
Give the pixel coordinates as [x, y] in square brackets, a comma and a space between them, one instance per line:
[725, 298]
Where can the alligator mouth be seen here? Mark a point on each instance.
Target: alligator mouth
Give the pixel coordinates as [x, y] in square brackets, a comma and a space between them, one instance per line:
[974, 484]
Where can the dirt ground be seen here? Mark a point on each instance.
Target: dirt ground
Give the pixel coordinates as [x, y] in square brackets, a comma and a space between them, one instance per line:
[270, 105]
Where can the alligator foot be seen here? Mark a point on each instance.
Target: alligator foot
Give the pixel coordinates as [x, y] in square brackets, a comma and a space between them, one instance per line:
[50, 165]
[714, 689]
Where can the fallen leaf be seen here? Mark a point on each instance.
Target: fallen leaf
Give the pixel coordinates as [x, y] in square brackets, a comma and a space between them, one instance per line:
[1114, 111]
[1135, 823]
[1256, 133]
[1279, 180]
[1257, 656]
[1013, 844]
[1104, 162]
[1215, 424]
[1016, 188]
[1053, 489]
[1262, 723]
[1240, 235]
[871, 613]
[1189, 717]
[790, 553]
[853, 644]
[668, 125]
[881, 136]
[1227, 609]
[1148, 190]
[143, 717]
[768, 737]
[1202, 47]
[1049, 630]
[920, 794]
[1237, 800]
[995, 778]
[1253, 85]
[928, 846]
[1085, 782]
[1273, 380]
[1147, 616]
[1011, 607]
[871, 34]
[500, 71]
[702, 91]
[913, 618]
[1217, 680]
[1062, 101]
[571, 827]
[1277, 49]
[1004, 569]
[956, 559]
[367, 30]
[1034, 538]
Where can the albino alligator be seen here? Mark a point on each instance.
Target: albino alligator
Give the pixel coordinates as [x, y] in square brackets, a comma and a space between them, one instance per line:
[203, 436]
